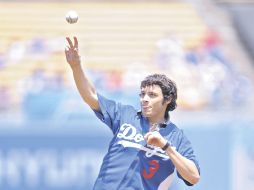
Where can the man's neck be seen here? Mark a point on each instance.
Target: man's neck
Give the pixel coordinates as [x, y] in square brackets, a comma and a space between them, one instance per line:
[156, 122]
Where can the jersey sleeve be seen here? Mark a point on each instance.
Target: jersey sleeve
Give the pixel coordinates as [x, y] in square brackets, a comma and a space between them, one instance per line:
[186, 150]
[109, 112]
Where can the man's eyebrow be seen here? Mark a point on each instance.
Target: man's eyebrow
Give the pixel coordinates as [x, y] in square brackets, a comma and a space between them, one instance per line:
[152, 92]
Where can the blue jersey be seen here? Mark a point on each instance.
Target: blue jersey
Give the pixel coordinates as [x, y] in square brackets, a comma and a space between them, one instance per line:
[131, 164]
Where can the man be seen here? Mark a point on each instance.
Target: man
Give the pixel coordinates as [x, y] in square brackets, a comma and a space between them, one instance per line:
[146, 146]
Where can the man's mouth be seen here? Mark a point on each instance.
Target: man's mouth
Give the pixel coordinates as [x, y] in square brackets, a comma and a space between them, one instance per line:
[146, 107]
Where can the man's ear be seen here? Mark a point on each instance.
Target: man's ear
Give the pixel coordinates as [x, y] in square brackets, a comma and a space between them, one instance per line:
[168, 100]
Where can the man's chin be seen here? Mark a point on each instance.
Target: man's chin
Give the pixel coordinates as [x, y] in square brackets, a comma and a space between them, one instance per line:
[145, 114]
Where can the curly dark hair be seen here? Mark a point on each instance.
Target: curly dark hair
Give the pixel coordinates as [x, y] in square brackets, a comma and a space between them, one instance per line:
[168, 87]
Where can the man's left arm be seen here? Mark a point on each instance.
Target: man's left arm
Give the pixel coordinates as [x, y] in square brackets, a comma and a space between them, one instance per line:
[185, 167]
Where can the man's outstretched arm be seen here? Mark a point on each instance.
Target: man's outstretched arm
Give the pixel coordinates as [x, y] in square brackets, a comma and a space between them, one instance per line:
[85, 87]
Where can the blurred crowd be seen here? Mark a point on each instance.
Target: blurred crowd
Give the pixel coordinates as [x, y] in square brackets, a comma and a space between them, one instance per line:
[205, 76]
[36, 83]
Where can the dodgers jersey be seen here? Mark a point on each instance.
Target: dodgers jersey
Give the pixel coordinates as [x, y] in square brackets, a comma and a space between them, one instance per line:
[131, 164]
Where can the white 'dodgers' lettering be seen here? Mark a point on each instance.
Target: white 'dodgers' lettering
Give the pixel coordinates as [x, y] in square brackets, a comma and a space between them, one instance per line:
[128, 132]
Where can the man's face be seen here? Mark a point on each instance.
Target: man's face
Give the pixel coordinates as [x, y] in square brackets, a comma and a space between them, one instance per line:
[152, 106]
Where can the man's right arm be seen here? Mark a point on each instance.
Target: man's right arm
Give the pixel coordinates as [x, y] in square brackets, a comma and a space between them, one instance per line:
[84, 85]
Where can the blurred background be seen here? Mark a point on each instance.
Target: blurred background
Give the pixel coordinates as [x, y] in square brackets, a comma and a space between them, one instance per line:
[50, 140]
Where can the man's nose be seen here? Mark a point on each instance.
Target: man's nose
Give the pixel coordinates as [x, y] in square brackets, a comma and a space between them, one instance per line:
[146, 98]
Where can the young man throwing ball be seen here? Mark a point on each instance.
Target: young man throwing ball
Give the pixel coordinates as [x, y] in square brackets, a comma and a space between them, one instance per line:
[146, 146]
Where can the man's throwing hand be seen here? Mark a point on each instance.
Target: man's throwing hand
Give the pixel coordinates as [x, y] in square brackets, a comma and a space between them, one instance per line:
[71, 52]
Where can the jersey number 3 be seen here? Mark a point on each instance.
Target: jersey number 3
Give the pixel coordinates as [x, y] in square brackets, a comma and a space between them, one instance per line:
[154, 166]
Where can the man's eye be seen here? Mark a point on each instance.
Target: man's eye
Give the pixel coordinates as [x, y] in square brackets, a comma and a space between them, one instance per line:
[152, 95]
[142, 94]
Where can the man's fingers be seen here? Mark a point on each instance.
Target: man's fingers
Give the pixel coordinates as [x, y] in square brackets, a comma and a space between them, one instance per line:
[69, 42]
[147, 135]
[71, 52]
[71, 46]
[75, 42]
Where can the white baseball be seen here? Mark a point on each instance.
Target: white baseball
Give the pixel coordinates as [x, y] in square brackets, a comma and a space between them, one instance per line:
[71, 17]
